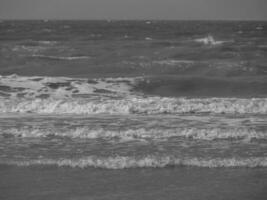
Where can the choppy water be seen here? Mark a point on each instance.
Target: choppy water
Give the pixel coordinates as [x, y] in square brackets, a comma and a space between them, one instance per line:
[133, 94]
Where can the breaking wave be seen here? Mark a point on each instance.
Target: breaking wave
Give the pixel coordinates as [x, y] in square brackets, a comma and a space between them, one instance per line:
[150, 161]
[209, 40]
[61, 87]
[133, 105]
[15, 86]
[140, 133]
[61, 57]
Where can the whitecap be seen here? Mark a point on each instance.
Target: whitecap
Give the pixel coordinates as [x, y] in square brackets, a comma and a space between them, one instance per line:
[45, 42]
[61, 57]
[209, 40]
[149, 161]
[30, 49]
[61, 87]
[139, 133]
[135, 105]
[173, 62]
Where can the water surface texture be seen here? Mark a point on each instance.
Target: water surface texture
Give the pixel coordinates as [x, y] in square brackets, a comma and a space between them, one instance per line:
[161, 100]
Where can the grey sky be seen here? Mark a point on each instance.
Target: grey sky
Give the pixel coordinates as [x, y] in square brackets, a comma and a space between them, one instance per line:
[133, 9]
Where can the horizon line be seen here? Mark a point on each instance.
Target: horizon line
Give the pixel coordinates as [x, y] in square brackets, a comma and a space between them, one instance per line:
[116, 19]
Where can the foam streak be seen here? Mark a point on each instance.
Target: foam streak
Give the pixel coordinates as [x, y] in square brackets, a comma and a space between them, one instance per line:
[121, 162]
[141, 133]
[149, 105]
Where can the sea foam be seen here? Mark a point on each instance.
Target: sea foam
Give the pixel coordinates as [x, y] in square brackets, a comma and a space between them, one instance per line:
[16, 86]
[135, 105]
[61, 95]
[150, 161]
[61, 57]
[209, 40]
[139, 133]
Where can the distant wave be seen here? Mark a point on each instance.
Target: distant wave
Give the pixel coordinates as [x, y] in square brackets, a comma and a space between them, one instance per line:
[150, 161]
[139, 133]
[35, 47]
[174, 62]
[45, 42]
[209, 40]
[29, 49]
[141, 105]
[61, 57]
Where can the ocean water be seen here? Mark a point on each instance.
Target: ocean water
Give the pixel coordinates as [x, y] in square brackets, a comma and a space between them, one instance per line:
[106, 109]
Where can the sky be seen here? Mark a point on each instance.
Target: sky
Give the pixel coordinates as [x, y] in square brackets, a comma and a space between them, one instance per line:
[134, 9]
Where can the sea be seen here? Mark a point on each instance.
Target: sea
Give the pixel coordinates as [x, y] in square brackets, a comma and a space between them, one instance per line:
[140, 109]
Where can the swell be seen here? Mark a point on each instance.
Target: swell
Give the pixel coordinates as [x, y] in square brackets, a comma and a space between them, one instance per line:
[139, 133]
[135, 105]
[150, 161]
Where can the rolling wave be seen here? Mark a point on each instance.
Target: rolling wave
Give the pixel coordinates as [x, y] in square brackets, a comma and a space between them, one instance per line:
[61, 87]
[150, 161]
[61, 57]
[139, 133]
[135, 105]
[165, 86]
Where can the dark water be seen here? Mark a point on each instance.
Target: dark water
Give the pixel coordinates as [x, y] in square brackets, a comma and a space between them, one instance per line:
[178, 101]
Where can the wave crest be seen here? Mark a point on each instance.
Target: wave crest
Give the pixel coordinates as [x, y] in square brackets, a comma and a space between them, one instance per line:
[124, 162]
[61, 57]
[149, 105]
[141, 133]
[209, 40]
[15, 86]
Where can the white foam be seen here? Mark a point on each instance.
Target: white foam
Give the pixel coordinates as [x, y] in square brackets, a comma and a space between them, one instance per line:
[209, 40]
[131, 105]
[34, 86]
[139, 133]
[45, 42]
[29, 49]
[173, 62]
[61, 57]
[150, 161]
[115, 96]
